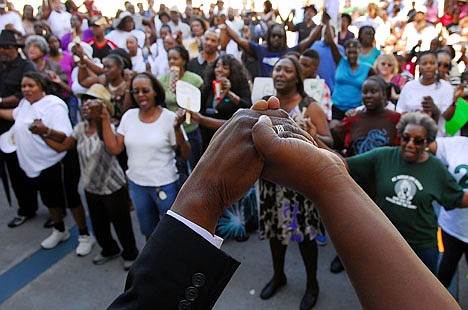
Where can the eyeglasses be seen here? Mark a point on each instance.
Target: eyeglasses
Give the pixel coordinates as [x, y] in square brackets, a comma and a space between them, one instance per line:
[416, 140]
[136, 91]
[7, 46]
[444, 64]
[386, 64]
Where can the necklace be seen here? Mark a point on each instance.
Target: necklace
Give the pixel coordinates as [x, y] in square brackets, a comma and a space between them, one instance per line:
[114, 88]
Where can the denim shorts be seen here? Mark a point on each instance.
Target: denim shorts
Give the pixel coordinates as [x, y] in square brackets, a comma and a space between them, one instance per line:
[151, 202]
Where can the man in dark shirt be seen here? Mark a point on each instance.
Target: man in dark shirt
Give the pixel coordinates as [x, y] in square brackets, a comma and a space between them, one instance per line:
[208, 54]
[101, 46]
[12, 68]
[305, 27]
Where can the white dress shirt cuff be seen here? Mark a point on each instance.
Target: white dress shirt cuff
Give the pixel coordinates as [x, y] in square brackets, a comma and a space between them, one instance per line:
[213, 239]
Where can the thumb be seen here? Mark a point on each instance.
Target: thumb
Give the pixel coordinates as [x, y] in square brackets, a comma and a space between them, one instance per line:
[264, 137]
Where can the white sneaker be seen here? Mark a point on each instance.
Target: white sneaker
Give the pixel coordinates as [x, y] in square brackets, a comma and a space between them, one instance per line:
[55, 238]
[85, 245]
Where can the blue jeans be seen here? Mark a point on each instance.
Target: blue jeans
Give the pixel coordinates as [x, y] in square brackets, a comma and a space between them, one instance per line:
[74, 110]
[149, 204]
[429, 257]
[195, 140]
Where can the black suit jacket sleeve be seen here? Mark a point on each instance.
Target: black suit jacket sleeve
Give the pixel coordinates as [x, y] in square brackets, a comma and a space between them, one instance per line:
[177, 269]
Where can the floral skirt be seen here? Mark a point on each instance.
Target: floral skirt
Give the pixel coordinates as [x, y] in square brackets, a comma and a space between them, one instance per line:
[287, 215]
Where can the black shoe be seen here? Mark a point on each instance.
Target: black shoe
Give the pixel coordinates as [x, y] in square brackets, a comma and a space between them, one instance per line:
[336, 266]
[270, 289]
[18, 221]
[309, 299]
[48, 223]
[242, 238]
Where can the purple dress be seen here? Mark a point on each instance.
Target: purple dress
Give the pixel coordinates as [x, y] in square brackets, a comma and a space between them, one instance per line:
[67, 38]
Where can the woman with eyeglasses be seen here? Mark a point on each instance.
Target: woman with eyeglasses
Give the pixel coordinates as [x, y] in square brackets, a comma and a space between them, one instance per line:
[151, 135]
[444, 62]
[387, 67]
[102, 177]
[407, 180]
[428, 94]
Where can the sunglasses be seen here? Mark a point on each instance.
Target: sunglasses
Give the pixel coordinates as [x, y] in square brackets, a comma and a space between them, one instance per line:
[444, 64]
[386, 64]
[416, 140]
[136, 91]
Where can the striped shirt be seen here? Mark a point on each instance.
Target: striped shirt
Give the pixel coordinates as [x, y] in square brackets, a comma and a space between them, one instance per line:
[101, 173]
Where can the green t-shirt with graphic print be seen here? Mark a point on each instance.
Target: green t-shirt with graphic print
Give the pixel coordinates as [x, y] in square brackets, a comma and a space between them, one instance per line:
[405, 191]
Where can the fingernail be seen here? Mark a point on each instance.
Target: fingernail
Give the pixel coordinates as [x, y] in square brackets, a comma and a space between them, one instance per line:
[264, 118]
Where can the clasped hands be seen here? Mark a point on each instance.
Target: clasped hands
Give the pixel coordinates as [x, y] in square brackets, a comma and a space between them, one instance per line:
[245, 148]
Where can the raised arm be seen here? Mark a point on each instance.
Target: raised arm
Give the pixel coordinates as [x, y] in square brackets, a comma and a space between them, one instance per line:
[242, 42]
[46, 9]
[329, 38]
[242, 150]
[183, 146]
[313, 36]
[114, 142]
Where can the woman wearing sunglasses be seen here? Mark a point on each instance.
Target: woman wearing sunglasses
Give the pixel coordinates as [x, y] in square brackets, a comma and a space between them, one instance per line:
[428, 94]
[387, 67]
[407, 180]
[151, 135]
[444, 64]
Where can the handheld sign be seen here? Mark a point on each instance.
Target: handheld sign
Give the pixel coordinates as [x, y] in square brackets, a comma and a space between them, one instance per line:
[459, 119]
[188, 97]
[262, 86]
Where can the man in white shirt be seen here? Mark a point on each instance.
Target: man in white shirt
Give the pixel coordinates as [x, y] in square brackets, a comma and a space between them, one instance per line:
[57, 18]
[176, 24]
[10, 20]
[419, 30]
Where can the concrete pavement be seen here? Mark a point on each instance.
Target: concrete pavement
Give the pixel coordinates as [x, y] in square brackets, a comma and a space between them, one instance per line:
[75, 283]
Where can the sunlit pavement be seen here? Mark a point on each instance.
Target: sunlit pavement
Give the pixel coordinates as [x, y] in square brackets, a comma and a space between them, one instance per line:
[31, 278]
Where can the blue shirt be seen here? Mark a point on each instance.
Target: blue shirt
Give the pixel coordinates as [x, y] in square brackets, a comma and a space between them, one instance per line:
[347, 94]
[327, 66]
[371, 57]
[265, 58]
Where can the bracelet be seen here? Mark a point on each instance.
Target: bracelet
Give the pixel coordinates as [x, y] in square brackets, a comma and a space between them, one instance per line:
[49, 131]
[80, 65]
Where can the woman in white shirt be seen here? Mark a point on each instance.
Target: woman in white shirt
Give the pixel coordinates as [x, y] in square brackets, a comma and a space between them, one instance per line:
[429, 94]
[46, 170]
[151, 135]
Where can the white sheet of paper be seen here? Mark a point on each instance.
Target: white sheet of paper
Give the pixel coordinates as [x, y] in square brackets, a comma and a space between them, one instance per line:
[262, 86]
[188, 96]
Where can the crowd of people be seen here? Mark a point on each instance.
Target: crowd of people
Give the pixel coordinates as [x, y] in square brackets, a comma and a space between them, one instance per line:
[92, 100]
